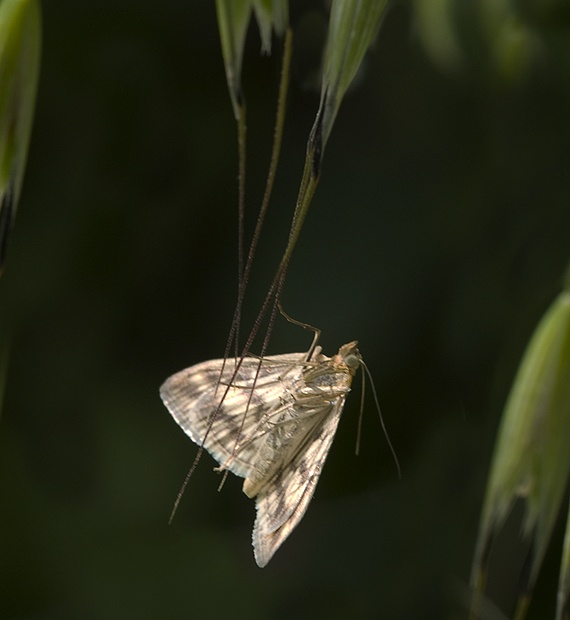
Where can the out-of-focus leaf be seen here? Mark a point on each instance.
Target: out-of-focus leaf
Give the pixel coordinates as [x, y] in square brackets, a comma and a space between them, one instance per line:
[270, 14]
[233, 18]
[352, 26]
[563, 602]
[510, 41]
[20, 42]
[498, 39]
[438, 33]
[532, 455]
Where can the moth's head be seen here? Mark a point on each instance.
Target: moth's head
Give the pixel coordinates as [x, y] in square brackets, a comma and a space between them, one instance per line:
[350, 355]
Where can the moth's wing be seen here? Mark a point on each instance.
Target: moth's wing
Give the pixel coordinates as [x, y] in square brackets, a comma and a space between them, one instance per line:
[282, 503]
[193, 398]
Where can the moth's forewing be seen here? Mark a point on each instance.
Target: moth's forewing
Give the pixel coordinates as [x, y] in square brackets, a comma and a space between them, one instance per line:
[193, 397]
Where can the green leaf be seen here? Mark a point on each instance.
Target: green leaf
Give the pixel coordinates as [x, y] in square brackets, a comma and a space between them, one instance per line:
[270, 14]
[352, 26]
[563, 603]
[20, 42]
[532, 455]
[233, 18]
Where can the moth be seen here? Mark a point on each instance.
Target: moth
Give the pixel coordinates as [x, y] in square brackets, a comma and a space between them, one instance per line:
[272, 421]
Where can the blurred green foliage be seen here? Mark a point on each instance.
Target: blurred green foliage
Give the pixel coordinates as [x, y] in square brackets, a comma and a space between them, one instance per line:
[531, 458]
[438, 237]
[20, 43]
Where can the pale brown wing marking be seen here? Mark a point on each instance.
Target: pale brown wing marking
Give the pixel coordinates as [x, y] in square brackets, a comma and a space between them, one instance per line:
[193, 396]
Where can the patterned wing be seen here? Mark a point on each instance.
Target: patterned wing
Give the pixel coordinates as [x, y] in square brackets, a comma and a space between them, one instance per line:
[193, 398]
[281, 504]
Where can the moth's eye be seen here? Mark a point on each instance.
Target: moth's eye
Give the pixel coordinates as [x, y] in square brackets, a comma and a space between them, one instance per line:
[352, 361]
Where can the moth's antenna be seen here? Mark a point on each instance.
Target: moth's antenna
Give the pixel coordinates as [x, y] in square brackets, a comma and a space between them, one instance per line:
[183, 487]
[361, 414]
[223, 479]
[277, 139]
[382, 419]
[304, 326]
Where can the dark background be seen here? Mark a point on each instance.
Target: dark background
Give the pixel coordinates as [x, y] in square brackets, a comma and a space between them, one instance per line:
[438, 236]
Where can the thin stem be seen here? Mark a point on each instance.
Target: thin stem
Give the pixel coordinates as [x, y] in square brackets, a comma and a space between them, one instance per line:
[241, 126]
[276, 150]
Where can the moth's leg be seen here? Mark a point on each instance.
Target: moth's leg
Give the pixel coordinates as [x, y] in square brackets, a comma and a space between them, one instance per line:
[304, 326]
[318, 394]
